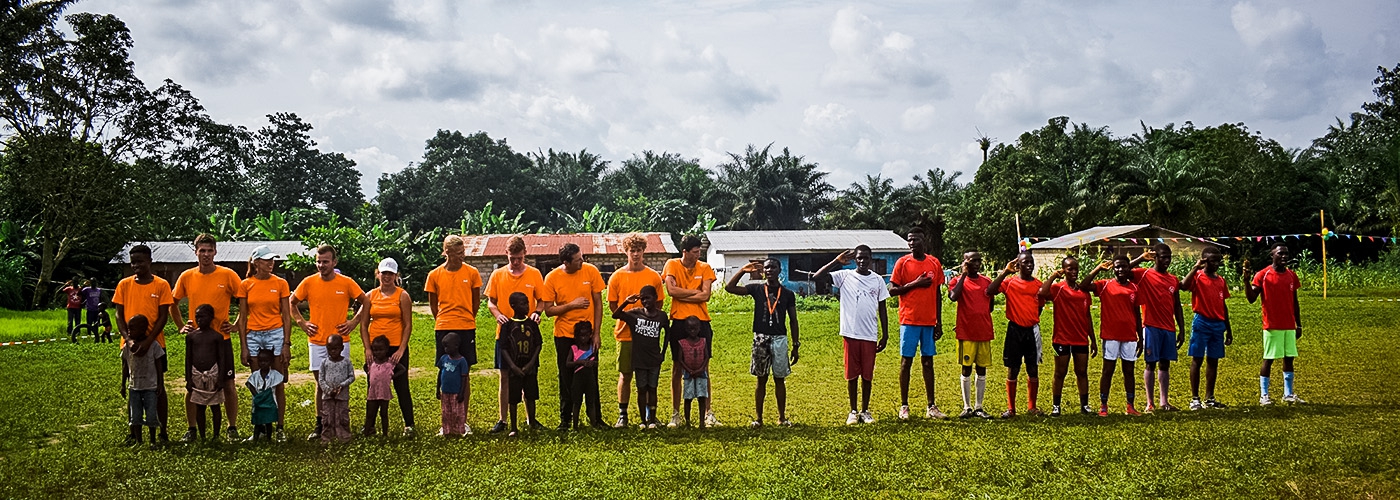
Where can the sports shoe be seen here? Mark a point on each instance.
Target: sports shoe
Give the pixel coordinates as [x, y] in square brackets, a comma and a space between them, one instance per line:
[1055, 410]
[498, 428]
[755, 424]
[675, 421]
[1215, 405]
[932, 412]
[904, 412]
[313, 436]
[1035, 412]
[1293, 399]
[279, 436]
[1150, 408]
[1169, 408]
[866, 417]
[467, 430]
[1103, 410]
[1086, 410]
[785, 422]
[966, 413]
[1008, 414]
[982, 414]
[1196, 404]
[232, 434]
[1265, 401]
[408, 432]
[653, 424]
[189, 437]
[1130, 411]
[535, 425]
[441, 432]
[621, 423]
[853, 418]
[711, 421]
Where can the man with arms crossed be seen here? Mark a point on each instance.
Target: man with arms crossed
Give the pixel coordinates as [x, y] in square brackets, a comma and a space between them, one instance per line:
[573, 292]
[688, 282]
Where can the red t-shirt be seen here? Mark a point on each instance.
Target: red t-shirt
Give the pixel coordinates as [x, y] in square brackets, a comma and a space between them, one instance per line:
[974, 321]
[1157, 295]
[1276, 300]
[1208, 296]
[1022, 301]
[920, 305]
[1072, 323]
[1116, 303]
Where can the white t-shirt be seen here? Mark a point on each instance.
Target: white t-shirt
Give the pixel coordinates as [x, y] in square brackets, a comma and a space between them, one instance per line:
[860, 303]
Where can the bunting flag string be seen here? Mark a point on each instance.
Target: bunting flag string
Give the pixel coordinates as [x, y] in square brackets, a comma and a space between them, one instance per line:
[1327, 235]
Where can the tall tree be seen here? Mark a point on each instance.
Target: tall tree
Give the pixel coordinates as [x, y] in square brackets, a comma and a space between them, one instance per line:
[1362, 157]
[288, 171]
[762, 191]
[871, 204]
[572, 182]
[1168, 189]
[461, 173]
[927, 204]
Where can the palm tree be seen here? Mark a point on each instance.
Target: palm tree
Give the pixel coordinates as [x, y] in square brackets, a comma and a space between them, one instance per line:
[1167, 189]
[985, 143]
[873, 204]
[761, 191]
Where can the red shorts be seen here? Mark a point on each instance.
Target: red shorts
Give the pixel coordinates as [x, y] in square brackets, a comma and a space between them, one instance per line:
[859, 357]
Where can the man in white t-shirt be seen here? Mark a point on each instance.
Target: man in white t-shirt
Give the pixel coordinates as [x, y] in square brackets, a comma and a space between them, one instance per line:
[862, 293]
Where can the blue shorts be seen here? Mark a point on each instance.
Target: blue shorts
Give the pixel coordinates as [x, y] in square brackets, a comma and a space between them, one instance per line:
[266, 339]
[1207, 338]
[1158, 344]
[916, 339]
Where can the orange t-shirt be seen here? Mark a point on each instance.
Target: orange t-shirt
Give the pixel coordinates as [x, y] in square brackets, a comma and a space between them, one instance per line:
[146, 300]
[217, 289]
[690, 279]
[265, 302]
[329, 302]
[623, 284]
[561, 287]
[454, 295]
[385, 316]
[502, 284]
[1022, 300]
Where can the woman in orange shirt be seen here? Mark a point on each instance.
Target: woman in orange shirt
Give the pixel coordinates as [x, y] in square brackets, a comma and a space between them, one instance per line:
[264, 318]
[391, 316]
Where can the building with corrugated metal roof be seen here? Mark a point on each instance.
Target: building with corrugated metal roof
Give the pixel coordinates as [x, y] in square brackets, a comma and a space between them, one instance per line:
[486, 252]
[170, 258]
[802, 252]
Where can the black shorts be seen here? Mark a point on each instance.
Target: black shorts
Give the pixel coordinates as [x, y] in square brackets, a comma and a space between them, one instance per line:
[466, 344]
[162, 364]
[706, 332]
[527, 385]
[1022, 345]
[1066, 349]
[226, 359]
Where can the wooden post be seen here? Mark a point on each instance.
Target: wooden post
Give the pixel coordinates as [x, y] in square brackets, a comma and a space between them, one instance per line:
[1322, 218]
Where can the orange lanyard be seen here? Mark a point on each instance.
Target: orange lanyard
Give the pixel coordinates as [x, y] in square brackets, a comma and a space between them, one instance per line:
[772, 304]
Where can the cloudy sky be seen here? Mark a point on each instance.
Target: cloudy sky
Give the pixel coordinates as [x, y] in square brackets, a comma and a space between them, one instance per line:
[893, 88]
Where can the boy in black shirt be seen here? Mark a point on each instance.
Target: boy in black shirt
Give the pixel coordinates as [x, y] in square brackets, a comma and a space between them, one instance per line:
[774, 306]
[648, 348]
[521, 343]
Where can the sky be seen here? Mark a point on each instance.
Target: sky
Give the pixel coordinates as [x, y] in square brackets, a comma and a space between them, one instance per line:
[890, 88]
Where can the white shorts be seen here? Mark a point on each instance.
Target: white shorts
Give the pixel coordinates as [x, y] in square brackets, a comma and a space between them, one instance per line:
[1117, 349]
[316, 354]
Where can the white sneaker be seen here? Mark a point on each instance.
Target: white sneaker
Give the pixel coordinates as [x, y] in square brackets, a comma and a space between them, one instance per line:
[1196, 404]
[934, 413]
[675, 421]
[853, 418]
[468, 429]
[711, 421]
[1265, 401]
[1293, 399]
[866, 417]
[904, 412]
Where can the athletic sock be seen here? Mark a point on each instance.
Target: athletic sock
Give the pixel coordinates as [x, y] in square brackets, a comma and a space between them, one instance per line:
[981, 389]
[1288, 383]
[1033, 390]
[1263, 386]
[1103, 398]
[967, 391]
[1011, 395]
[1164, 382]
[1131, 397]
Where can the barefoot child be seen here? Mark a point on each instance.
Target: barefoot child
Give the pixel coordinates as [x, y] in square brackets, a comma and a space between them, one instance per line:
[139, 374]
[695, 368]
[648, 349]
[1023, 307]
[381, 372]
[1074, 331]
[1120, 326]
[863, 295]
[336, 375]
[1210, 328]
[583, 360]
[521, 345]
[262, 384]
[204, 373]
[973, 330]
[452, 386]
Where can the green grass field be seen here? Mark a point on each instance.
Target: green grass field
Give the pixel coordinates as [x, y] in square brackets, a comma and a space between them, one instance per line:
[62, 423]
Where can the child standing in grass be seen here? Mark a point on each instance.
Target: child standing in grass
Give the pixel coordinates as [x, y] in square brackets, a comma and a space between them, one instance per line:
[1120, 326]
[379, 390]
[522, 344]
[648, 348]
[1164, 327]
[863, 294]
[204, 373]
[973, 330]
[583, 360]
[262, 384]
[1023, 307]
[336, 375]
[1074, 331]
[1210, 329]
[452, 386]
[1276, 288]
[140, 376]
[695, 368]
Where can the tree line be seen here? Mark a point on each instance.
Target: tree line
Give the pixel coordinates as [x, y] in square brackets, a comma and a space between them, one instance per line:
[93, 157]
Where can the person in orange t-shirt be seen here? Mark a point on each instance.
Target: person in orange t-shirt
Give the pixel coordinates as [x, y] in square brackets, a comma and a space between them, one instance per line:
[918, 282]
[454, 296]
[145, 294]
[573, 292]
[689, 283]
[517, 276]
[1023, 342]
[328, 295]
[390, 316]
[1120, 326]
[625, 283]
[217, 286]
[264, 319]
[1164, 329]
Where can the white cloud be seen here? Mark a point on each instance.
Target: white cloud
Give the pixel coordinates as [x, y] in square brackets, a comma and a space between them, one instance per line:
[578, 52]
[918, 118]
[871, 58]
[704, 73]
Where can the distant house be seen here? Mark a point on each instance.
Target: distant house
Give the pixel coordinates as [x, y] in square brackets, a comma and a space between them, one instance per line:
[1103, 242]
[488, 251]
[170, 258]
[801, 252]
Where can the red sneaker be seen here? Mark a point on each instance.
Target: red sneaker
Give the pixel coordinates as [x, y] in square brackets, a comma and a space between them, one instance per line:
[1103, 410]
[1130, 411]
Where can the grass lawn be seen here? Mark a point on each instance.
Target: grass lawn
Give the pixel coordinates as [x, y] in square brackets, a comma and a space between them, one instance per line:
[62, 423]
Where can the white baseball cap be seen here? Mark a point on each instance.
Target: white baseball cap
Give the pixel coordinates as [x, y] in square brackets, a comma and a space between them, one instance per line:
[265, 252]
[388, 265]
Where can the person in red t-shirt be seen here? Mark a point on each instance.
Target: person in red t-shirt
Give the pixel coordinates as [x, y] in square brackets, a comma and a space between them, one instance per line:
[918, 282]
[1276, 287]
[1074, 330]
[1023, 307]
[1212, 320]
[1164, 328]
[1120, 326]
[973, 329]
